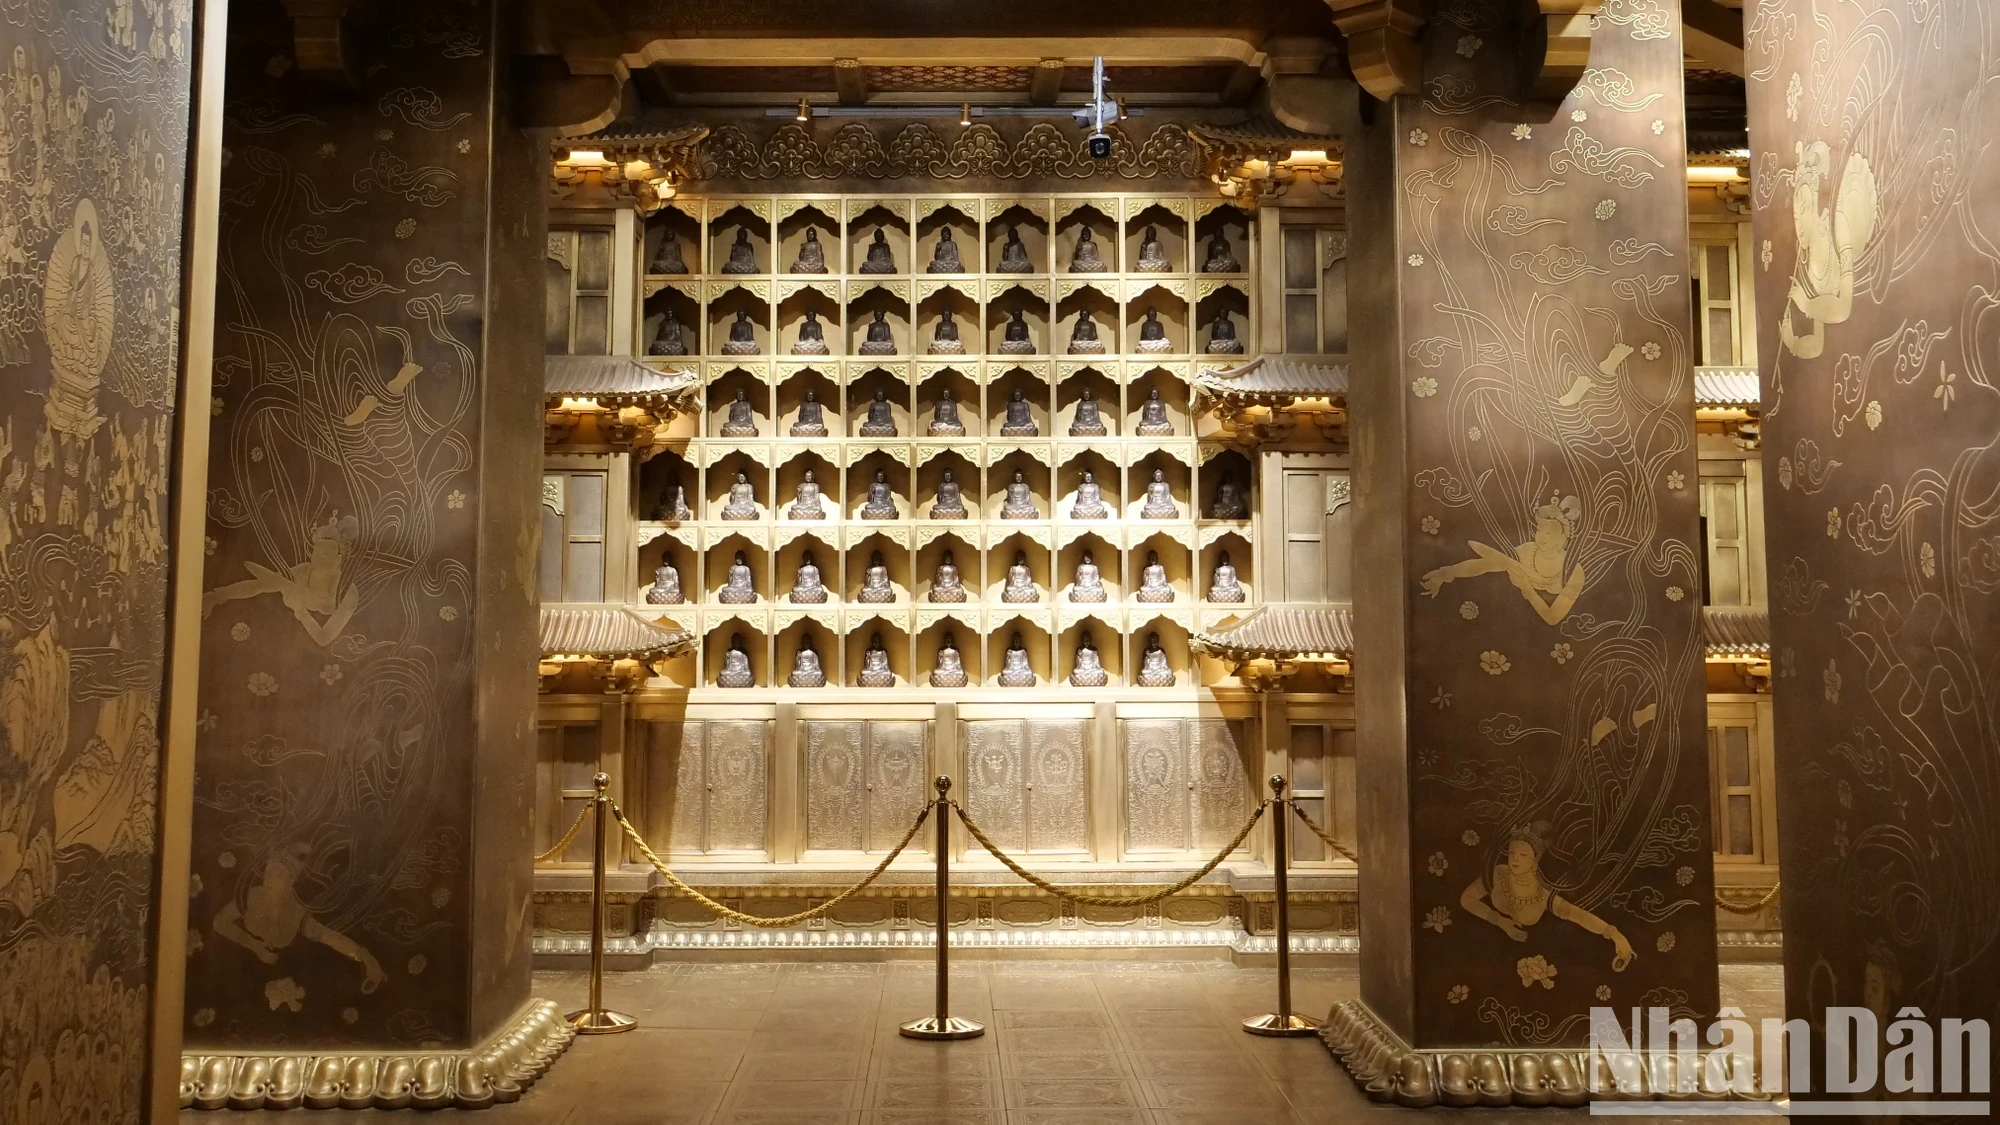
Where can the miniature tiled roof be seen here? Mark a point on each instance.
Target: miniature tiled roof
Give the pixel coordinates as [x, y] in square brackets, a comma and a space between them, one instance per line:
[1724, 387]
[1284, 632]
[615, 380]
[1274, 380]
[1263, 130]
[1736, 631]
[608, 632]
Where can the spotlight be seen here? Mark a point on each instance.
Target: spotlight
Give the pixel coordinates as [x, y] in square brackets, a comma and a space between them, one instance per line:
[965, 114]
[805, 110]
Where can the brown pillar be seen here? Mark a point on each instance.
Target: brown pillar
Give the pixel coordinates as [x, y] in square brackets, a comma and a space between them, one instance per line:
[1876, 190]
[362, 835]
[1533, 784]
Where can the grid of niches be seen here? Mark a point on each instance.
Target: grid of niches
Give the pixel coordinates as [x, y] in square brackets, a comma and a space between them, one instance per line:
[700, 464]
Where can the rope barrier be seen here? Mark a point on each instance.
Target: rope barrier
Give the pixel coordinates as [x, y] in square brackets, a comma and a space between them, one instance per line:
[659, 865]
[1760, 904]
[986, 842]
[568, 837]
[1324, 837]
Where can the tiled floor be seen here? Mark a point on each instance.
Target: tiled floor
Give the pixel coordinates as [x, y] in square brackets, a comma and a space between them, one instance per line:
[1098, 1042]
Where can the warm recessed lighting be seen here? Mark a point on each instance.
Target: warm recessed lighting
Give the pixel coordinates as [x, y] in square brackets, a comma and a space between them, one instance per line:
[1714, 173]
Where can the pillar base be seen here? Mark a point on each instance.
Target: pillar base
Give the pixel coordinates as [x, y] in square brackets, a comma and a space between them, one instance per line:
[497, 1070]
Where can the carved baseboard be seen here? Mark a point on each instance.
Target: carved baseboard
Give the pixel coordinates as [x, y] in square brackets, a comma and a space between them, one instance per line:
[495, 1071]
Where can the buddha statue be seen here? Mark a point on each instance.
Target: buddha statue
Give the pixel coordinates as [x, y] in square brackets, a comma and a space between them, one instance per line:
[1221, 259]
[1228, 503]
[875, 586]
[1085, 258]
[1014, 337]
[737, 588]
[875, 665]
[1153, 420]
[666, 587]
[735, 665]
[1020, 503]
[1153, 334]
[1083, 335]
[667, 259]
[741, 421]
[1089, 668]
[1020, 585]
[1153, 670]
[811, 421]
[879, 340]
[944, 337]
[1090, 503]
[880, 421]
[1089, 585]
[806, 668]
[742, 255]
[742, 335]
[668, 340]
[1014, 253]
[1089, 421]
[945, 422]
[742, 502]
[1019, 422]
[944, 257]
[1153, 581]
[950, 670]
[1014, 668]
[1222, 584]
[879, 505]
[946, 585]
[1159, 499]
[812, 338]
[812, 254]
[1152, 255]
[950, 503]
[806, 502]
[673, 506]
[1222, 337]
[880, 259]
[808, 587]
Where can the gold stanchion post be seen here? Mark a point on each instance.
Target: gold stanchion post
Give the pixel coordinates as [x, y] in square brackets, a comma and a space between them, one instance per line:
[943, 1025]
[596, 1019]
[1283, 1022]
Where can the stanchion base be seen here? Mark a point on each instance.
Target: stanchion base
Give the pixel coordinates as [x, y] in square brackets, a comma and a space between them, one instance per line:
[1282, 1027]
[949, 1027]
[606, 1022]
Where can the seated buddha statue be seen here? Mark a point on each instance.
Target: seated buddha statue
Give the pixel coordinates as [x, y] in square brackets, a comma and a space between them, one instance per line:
[1019, 422]
[879, 505]
[1090, 503]
[1153, 420]
[1088, 670]
[666, 587]
[1221, 259]
[1222, 337]
[1089, 585]
[879, 259]
[875, 587]
[1015, 671]
[812, 338]
[879, 341]
[1159, 499]
[1020, 586]
[742, 502]
[741, 420]
[946, 585]
[735, 665]
[1085, 258]
[1152, 255]
[742, 335]
[1089, 421]
[806, 502]
[806, 668]
[1222, 584]
[1153, 334]
[812, 254]
[880, 420]
[668, 340]
[673, 506]
[1014, 253]
[667, 259]
[811, 421]
[1014, 337]
[737, 588]
[944, 337]
[808, 587]
[742, 255]
[1020, 503]
[1153, 585]
[945, 423]
[944, 257]
[875, 665]
[950, 670]
[1083, 335]
[1153, 670]
[1228, 503]
[950, 503]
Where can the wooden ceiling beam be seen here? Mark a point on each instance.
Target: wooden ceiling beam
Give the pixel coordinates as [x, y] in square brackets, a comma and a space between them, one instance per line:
[1713, 33]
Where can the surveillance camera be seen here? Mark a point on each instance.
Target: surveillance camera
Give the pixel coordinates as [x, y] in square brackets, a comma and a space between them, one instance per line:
[1100, 146]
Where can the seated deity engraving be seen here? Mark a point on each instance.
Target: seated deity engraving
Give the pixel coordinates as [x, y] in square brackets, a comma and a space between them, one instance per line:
[812, 254]
[875, 665]
[742, 503]
[1020, 503]
[946, 585]
[737, 587]
[1089, 586]
[807, 672]
[945, 423]
[808, 587]
[1020, 586]
[1088, 670]
[1153, 669]
[735, 665]
[1153, 586]
[811, 421]
[879, 505]
[1223, 585]
[950, 670]
[1090, 503]
[269, 916]
[875, 587]
[742, 255]
[1535, 568]
[1015, 670]
[806, 505]
[1515, 897]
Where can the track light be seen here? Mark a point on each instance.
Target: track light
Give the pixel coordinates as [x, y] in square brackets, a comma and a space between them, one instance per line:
[965, 114]
[805, 110]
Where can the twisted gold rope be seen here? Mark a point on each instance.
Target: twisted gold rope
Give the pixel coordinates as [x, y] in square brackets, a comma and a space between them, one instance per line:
[568, 837]
[660, 866]
[1324, 838]
[1106, 900]
[1761, 903]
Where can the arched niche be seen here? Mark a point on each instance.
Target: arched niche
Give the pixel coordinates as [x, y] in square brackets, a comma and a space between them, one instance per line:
[791, 638]
[722, 474]
[1088, 381]
[792, 395]
[1106, 474]
[718, 560]
[721, 394]
[658, 477]
[1103, 313]
[792, 473]
[894, 640]
[1033, 311]
[1172, 312]
[792, 238]
[1227, 465]
[895, 557]
[1001, 474]
[1000, 391]
[666, 223]
[1001, 556]
[895, 231]
[1233, 224]
[964, 232]
[861, 392]
[1229, 303]
[1174, 395]
[722, 232]
[1173, 641]
[1034, 234]
[964, 392]
[1034, 639]
[792, 316]
[1169, 228]
[792, 554]
[861, 475]
[971, 649]
[964, 473]
[1237, 547]
[734, 306]
[1110, 650]
[716, 642]
[1104, 555]
[861, 310]
[1178, 479]
[965, 556]
[1069, 231]
[1173, 556]
[965, 319]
